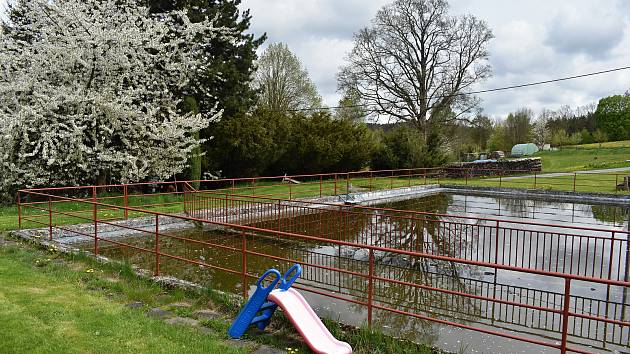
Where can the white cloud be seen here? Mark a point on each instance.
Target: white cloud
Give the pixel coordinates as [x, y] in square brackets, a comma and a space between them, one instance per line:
[578, 32]
[534, 40]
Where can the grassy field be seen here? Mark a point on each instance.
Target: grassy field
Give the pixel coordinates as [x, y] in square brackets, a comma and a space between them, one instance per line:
[600, 183]
[48, 305]
[586, 157]
[606, 145]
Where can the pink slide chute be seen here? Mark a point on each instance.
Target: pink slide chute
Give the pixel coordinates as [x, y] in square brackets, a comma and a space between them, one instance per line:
[308, 323]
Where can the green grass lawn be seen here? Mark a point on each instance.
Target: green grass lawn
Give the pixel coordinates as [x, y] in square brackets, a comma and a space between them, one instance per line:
[600, 183]
[610, 144]
[53, 308]
[585, 157]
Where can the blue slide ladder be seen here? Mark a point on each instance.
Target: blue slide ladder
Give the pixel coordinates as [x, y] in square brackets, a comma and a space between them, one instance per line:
[258, 302]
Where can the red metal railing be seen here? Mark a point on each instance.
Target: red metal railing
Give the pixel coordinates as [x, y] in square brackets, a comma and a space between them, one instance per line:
[170, 196]
[153, 194]
[252, 218]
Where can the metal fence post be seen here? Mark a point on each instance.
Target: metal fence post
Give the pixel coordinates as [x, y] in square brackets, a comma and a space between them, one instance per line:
[335, 184]
[95, 217]
[244, 263]
[574, 180]
[157, 245]
[371, 180]
[496, 244]
[50, 224]
[610, 265]
[19, 210]
[279, 217]
[126, 201]
[391, 181]
[616, 183]
[320, 185]
[565, 315]
[370, 286]
[185, 191]
[226, 208]
[347, 183]
[535, 175]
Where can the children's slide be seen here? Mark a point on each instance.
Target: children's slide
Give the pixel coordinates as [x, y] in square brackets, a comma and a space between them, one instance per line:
[308, 323]
[263, 303]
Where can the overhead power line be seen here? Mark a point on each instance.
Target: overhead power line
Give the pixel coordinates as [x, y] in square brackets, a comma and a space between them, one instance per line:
[496, 89]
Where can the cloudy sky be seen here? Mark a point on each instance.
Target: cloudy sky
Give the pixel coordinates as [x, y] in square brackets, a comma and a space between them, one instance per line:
[535, 40]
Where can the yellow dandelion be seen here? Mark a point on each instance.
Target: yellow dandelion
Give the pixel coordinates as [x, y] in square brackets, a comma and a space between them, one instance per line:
[89, 270]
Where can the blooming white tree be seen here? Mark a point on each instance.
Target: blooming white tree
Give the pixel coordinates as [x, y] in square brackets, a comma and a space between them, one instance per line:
[88, 89]
[540, 129]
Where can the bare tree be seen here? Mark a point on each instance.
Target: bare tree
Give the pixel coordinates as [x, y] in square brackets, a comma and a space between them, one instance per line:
[565, 112]
[586, 110]
[415, 63]
[518, 126]
[283, 81]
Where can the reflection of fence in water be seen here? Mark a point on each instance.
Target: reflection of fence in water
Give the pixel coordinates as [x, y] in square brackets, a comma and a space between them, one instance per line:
[460, 307]
[553, 212]
[573, 250]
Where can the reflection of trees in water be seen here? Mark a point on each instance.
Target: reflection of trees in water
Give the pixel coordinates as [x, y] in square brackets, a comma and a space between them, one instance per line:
[610, 213]
[421, 233]
[437, 203]
[342, 223]
[517, 207]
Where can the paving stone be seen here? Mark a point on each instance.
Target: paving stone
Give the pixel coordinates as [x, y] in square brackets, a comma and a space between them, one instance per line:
[182, 321]
[206, 315]
[159, 313]
[206, 330]
[135, 305]
[180, 306]
[265, 349]
[240, 343]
